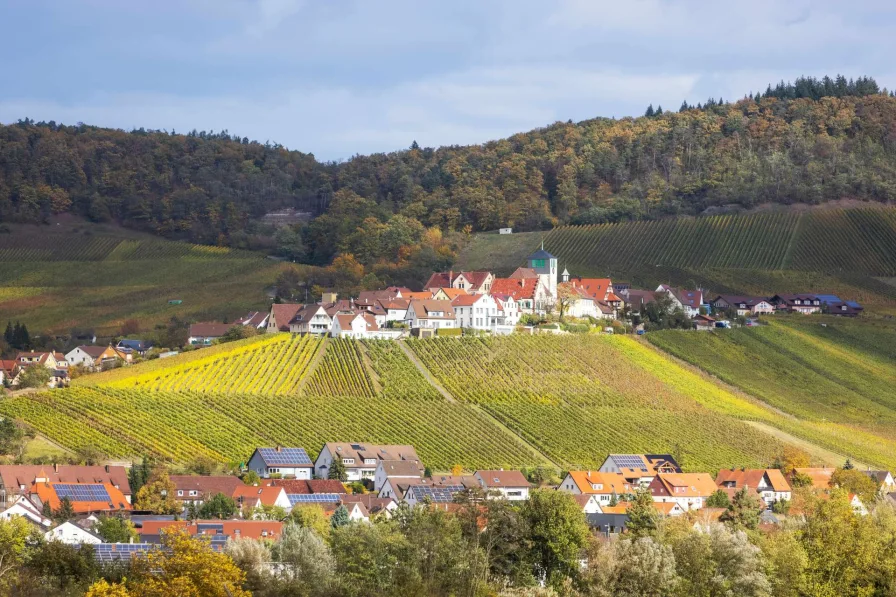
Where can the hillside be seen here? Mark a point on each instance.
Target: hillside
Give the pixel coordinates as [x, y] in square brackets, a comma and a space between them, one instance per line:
[511, 401]
[838, 250]
[212, 188]
[80, 275]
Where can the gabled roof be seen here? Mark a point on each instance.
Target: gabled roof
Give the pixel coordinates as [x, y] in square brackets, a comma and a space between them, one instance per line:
[93, 351]
[246, 529]
[688, 298]
[360, 451]
[282, 314]
[425, 308]
[499, 478]
[879, 476]
[540, 254]
[519, 289]
[601, 483]
[401, 468]
[521, 273]
[209, 330]
[135, 344]
[821, 477]
[308, 486]
[440, 280]
[752, 477]
[305, 314]
[734, 299]
[254, 319]
[423, 295]
[252, 494]
[283, 456]
[84, 497]
[371, 501]
[467, 300]
[451, 293]
[398, 304]
[597, 288]
[688, 484]
[206, 485]
[15, 476]
[476, 278]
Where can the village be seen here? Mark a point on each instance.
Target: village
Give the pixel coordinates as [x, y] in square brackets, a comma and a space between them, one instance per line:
[533, 299]
[358, 482]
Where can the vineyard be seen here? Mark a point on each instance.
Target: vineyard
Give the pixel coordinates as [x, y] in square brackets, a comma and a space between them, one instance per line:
[509, 401]
[98, 276]
[860, 240]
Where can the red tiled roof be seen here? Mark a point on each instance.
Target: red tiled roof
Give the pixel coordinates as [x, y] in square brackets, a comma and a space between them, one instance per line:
[15, 476]
[46, 493]
[521, 288]
[246, 529]
[250, 493]
[477, 279]
[466, 300]
[597, 288]
[521, 273]
[439, 280]
[207, 486]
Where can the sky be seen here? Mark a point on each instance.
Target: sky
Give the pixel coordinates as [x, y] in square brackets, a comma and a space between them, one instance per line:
[342, 77]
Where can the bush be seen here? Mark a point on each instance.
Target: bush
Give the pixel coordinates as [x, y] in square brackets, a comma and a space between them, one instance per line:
[449, 332]
[575, 328]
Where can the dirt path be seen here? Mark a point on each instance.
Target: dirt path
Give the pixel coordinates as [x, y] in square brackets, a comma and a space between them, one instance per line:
[447, 395]
[823, 455]
[315, 361]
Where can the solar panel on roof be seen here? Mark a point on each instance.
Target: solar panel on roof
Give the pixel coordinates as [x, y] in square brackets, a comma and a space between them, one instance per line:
[285, 456]
[357, 447]
[441, 494]
[82, 493]
[312, 498]
[628, 461]
[112, 552]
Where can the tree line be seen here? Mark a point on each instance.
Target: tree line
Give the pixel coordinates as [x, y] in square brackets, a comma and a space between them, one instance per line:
[810, 141]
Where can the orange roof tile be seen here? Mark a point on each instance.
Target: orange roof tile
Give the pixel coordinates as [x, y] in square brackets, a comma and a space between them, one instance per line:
[46, 493]
[594, 482]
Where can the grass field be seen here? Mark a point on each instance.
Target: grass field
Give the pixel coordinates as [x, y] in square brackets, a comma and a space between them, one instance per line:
[74, 275]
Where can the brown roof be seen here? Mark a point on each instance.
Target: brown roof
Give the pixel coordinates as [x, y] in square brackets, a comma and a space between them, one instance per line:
[398, 304]
[250, 493]
[370, 501]
[440, 280]
[15, 476]
[640, 297]
[283, 313]
[691, 484]
[209, 330]
[821, 477]
[369, 297]
[451, 293]
[401, 468]
[477, 278]
[360, 451]
[522, 273]
[751, 478]
[8, 365]
[423, 308]
[503, 479]
[305, 314]
[207, 486]
[607, 483]
[93, 351]
[522, 288]
[597, 288]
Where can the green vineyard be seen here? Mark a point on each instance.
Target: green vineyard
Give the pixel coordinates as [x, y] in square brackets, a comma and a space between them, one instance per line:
[859, 240]
[499, 402]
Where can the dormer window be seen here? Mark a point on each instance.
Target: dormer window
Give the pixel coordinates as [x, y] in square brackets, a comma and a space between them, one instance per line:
[348, 460]
[369, 461]
[597, 486]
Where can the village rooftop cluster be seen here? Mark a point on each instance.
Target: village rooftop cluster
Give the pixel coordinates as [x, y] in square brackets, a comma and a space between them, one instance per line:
[365, 481]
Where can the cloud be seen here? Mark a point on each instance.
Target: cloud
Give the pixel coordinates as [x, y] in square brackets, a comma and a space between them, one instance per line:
[271, 14]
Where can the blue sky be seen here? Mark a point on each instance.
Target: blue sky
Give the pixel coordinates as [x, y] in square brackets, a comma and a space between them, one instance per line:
[340, 77]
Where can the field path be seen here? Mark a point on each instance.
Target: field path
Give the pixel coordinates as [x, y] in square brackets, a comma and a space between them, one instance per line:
[815, 451]
[447, 395]
[312, 366]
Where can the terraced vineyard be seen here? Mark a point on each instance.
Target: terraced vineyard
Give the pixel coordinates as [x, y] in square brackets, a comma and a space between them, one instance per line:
[859, 240]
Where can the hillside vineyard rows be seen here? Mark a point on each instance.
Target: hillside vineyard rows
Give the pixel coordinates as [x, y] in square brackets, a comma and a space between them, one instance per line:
[513, 401]
[860, 240]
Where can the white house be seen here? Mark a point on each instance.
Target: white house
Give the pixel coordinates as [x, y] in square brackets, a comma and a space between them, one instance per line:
[361, 459]
[396, 309]
[527, 290]
[689, 490]
[575, 301]
[477, 311]
[25, 508]
[93, 357]
[510, 310]
[288, 463]
[770, 484]
[72, 534]
[396, 470]
[204, 334]
[361, 325]
[253, 496]
[312, 319]
[688, 301]
[430, 314]
[512, 485]
[605, 486]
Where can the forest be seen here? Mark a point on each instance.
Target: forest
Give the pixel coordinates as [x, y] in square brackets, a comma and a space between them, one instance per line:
[809, 142]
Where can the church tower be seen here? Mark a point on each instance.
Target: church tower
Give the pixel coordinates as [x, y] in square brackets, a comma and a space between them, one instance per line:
[545, 265]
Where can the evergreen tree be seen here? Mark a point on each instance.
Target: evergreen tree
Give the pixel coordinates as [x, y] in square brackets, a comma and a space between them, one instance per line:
[340, 517]
[744, 510]
[642, 515]
[659, 111]
[9, 334]
[848, 465]
[649, 111]
[337, 470]
[684, 106]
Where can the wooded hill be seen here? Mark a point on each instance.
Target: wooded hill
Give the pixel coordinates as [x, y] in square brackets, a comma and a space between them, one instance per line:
[805, 143]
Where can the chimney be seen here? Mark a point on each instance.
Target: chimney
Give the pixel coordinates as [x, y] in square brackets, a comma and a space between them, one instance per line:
[450, 277]
[55, 467]
[107, 468]
[279, 449]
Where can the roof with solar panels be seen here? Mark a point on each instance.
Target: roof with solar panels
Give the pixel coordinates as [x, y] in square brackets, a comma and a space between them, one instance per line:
[84, 497]
[283, 456]
[640, 465]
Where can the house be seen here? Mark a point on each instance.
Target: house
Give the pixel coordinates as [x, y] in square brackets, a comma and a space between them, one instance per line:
[254, 319]
[292, 463]
[396, 309]
[545, 267]
[600, 289]
[430, 314]
[308, 486]
[361, 459]
[606, 486]
[639, 469]
[530, 294]
[95, 357]
[884, 479]
[770, 484]
[512, 485]
[395, 469]
[280, 316]
[85, 498]
[510, 310]
[71, 534]
[432, 494]
[311, 319]
[575, 301]
[588, 503]
[638, 299]
[821, 477]
[704, 322]
[204, 334]
[17, 479]
[398, 488]
[151, 530]
[477, 312]
[9, 372]
[689, 301]
[50, 360]
[254, 496]
[447, 294]
[360, 325]
[477, 282]
[857, 506]
[744, 306]
[196, 489]
[374, 504]
[25, 508]
[688, 490]
[843, 308]
[806, 304]
[140, 347]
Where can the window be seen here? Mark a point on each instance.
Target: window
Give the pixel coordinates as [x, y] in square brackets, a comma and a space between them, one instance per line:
[193, 492]
[273, 471]
[537, 263]
[369, 461]
[180, 492]
[514, 494]
[348, 460]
